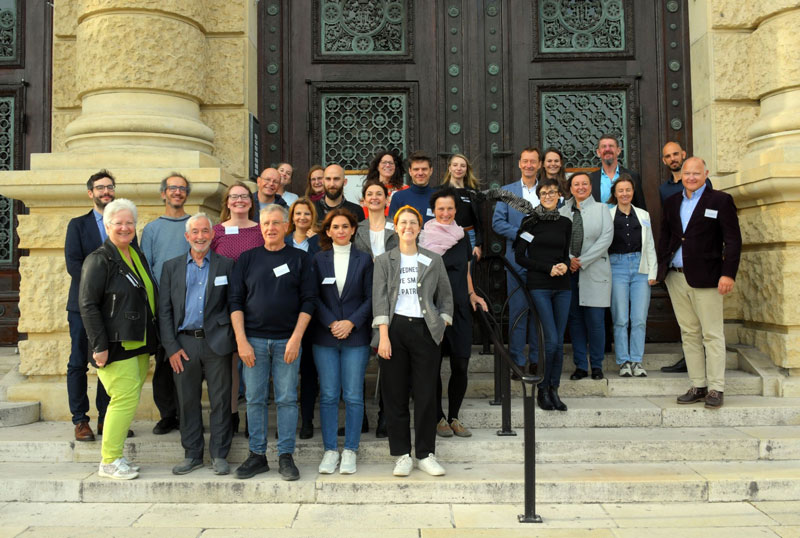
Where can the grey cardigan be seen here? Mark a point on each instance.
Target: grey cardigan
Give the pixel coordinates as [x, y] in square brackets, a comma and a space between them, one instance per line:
[433, 288]
[594, 277]
[361, 240]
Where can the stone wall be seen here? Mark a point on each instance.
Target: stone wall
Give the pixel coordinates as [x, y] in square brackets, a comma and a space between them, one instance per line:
[746, 110]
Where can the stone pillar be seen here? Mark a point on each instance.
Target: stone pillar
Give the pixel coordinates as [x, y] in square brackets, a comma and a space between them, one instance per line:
[142, 88]
[746, 88]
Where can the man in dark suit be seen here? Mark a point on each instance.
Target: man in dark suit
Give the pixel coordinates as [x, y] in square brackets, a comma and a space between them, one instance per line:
[698, 257]
[196, 333]
[608, 151]
[84, 235]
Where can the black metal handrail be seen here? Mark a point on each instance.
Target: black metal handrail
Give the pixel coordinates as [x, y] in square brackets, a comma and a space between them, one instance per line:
[504, 364]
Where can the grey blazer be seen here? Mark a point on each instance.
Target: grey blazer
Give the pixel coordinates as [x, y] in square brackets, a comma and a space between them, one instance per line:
[361, 239]
[433, 287]
[594, 277]
[216, 314]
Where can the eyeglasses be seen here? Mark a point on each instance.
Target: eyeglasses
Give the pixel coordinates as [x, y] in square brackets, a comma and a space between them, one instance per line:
[235, 197]
[101, 188]
[387, 163]
[127, 223]
[177, 188]
[548, 194]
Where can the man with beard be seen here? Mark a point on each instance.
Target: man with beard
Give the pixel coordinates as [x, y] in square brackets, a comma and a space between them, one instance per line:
[268, 184]
[672, 155]
[196, 333]
[162, 240]
[85, 234]
[608, 151]
[334, 182]
[418, 194]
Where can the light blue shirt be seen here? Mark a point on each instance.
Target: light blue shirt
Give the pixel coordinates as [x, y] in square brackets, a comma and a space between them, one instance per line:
[606, 183]
[98, 217]
[196, 280]
[687, 208]
[302, 246]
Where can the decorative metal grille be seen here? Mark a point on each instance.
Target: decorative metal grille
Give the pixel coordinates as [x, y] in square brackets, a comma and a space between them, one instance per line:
[8, 30]
[574, 121]
[7, 133]
[6, 230]
[363, 27]
[355, 126]
[581, 26]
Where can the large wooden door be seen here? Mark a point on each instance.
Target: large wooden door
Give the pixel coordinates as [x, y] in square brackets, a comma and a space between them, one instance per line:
[25, 56]
[340, 79]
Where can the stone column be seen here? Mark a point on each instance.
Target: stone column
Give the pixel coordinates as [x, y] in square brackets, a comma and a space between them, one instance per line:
[142, 88]
[749, 126]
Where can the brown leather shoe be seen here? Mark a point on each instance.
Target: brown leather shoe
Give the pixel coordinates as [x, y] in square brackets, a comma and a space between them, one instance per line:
[693, 395]
[714, 399]
[83, 432]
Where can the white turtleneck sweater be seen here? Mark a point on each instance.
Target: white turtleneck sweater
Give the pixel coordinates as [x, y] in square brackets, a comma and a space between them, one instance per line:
[341, 261]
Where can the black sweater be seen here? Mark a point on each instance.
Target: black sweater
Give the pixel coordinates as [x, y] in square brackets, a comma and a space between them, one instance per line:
[550, 246]
[272, 302]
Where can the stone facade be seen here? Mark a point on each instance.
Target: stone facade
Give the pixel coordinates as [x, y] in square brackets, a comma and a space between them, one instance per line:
[746, 111]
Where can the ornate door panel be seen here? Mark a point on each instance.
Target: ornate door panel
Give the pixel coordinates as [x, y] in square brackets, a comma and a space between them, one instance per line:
[25, 36]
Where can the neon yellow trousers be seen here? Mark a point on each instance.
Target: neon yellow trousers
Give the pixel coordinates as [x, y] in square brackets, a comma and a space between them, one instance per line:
[123, 381]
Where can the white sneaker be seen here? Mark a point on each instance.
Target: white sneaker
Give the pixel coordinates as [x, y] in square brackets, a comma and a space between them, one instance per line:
[348, 465]
[131, 465]
[118, 470]
[330, 459]
[625, 369]
[431, 466]
[403, 465]
[638, 371]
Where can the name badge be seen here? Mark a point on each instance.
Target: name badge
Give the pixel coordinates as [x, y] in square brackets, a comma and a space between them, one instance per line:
[390, 226]
[711, 213]
[466, 200]
[221, 280]
[281, 270]
[645, 223]
[231, 230]
[329, 280]
[429, 213]
[423, 259]
[526, 236]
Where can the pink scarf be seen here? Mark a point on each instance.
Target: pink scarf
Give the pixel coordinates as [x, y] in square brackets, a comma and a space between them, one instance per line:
[440, 237]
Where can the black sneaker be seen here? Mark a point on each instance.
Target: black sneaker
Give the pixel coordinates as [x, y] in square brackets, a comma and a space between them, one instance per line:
[286, 467]
[166, 425]
[253, 465]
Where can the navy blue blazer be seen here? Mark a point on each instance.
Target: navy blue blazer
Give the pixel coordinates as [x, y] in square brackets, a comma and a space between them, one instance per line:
[313, 244]
[355, 303]
[82, 239]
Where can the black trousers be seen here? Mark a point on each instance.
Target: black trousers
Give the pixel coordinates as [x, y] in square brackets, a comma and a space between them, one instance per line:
[164, 394]
[216, 369]
[456, 387]
[309, 381]
[414, 364]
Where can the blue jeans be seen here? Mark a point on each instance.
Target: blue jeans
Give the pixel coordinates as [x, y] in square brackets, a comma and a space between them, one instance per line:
[269, 358]
[76, 375]
[553, 309]
[630, 300]
[341, 371]
[586, 325]
[525, 330]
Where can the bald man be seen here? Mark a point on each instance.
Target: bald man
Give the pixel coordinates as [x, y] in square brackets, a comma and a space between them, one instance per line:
[268, 184]
[698, 257]
[673, 155]
[334, 180]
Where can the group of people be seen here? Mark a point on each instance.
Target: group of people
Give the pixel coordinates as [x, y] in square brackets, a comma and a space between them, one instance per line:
[305, 292]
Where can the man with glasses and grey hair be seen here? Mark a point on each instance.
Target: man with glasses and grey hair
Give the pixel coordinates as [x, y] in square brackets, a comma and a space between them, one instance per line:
[162, 240]
[196, 333]
[272, 294]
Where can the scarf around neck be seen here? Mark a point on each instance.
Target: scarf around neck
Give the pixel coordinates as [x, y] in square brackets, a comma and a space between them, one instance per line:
[440, 237]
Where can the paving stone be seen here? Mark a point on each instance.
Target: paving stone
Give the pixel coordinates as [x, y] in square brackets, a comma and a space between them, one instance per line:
[531, 529]
[309, 533]
[787, 532]
[59, 514]
[705, 532]
[103, 532]
[228, 516]
[750, 480]
[11, 531]
[784, 512]
[339, 517]
[776, 442]
[665, 515]
[504, 516]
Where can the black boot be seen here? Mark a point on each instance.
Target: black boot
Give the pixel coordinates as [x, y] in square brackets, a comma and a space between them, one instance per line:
[557, 403]
[543, 399]
[679, 366]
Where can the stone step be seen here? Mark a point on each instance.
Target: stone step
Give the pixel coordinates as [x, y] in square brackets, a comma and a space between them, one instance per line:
[18, 413]
[45, 443]
[374, 484]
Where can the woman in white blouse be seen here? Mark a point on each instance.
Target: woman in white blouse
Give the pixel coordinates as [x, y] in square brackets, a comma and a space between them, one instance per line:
[375, 234]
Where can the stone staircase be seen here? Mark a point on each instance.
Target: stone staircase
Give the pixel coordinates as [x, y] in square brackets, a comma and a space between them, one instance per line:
[622, 440]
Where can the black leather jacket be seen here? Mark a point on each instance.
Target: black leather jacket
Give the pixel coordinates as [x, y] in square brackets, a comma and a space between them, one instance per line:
[113, 303]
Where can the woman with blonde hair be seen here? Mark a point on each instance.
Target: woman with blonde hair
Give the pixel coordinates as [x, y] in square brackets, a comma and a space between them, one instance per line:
[460, 177]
